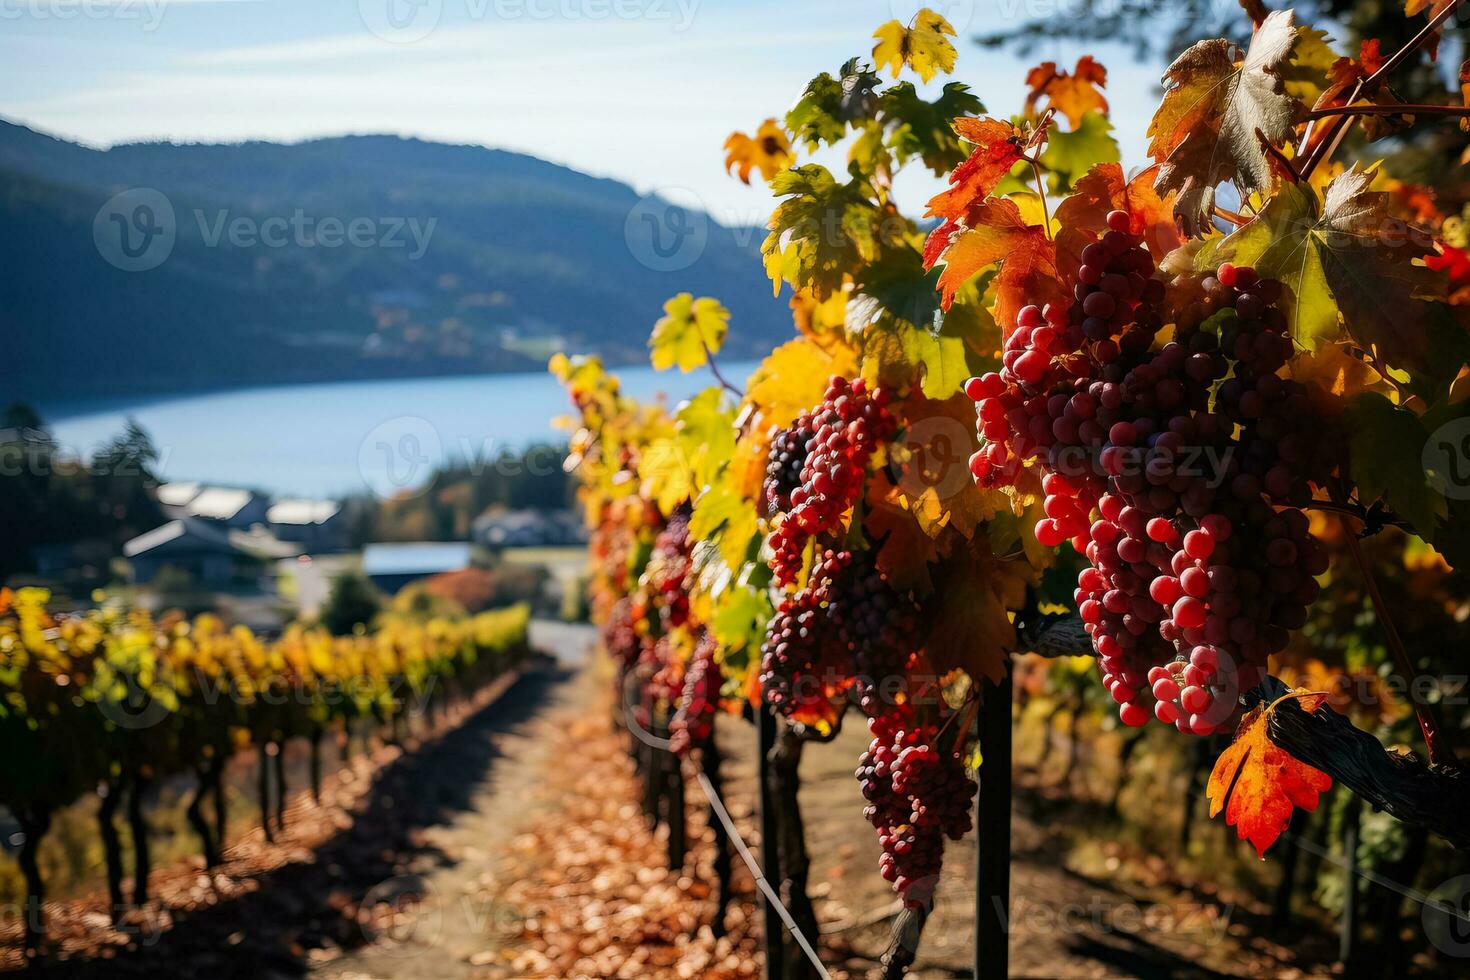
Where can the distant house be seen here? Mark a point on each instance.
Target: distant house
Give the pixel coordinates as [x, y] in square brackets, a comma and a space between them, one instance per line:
[392, 566]
[213, 556]
[527, 529]
[317, 525]
[229, 506]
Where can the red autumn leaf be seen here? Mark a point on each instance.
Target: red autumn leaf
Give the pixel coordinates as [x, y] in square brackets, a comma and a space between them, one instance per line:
[1258, 783]
[997, 149]
[1342, 80]
[1083, 215]
[994, 231]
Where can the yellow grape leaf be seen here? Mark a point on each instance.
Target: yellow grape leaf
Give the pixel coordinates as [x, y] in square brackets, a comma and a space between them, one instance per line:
[768, 151]
[1217, 98]
[667, 477]
[1083, 215]
[1257, 783]
[998, 146]
[794, 377]
[1073, 94]
[924, 47]
[971, 628]
[1338, 372]
[688, 333]
[996, 232]
[724, 515]
[819, 318]
[931, 464]
[705, 427]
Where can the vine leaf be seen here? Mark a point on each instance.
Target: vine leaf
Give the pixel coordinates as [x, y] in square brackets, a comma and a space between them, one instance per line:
[1386, 460]
[1465, 92]
[906, 551]
[1069, 155]
[688, 333]
[1257, 783]
[924, 47]
[994, 231]
[822, 229]
[918, 128]
[768, 151]
[1083, 215]
[1217, 99]
[1073, 94]
[829, 105]
[1351, 257]
[1431, 9]
[1342, 81]
[971, 628]
[793, 377]
[998, 146]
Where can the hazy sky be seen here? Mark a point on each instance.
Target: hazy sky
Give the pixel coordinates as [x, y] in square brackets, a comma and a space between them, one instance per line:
[641, 90]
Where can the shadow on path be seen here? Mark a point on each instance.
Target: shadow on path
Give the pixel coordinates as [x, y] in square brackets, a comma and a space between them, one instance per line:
[311, 903]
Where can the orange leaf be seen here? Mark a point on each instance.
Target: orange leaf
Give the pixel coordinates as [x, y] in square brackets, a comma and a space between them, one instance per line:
[997, 149]
[1073, 95]
[1431, 10]
[1262, 781]
[995, 232]
[1083, 216]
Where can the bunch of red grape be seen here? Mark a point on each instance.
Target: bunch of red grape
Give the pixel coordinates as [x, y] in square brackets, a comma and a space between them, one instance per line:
[669, 570]
[846, 429]
[785, 462]
[1177, 470]
[918, 794]
[849, 628]
[694, 720]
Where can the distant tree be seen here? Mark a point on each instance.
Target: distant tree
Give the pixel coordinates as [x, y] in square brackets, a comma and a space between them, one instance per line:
[353, 602]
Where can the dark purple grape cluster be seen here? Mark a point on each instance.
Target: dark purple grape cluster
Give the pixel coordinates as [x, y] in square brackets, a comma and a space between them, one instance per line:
[849, 629]
[917, 794]
[1178, 470]
[847, 428]
[785, 462]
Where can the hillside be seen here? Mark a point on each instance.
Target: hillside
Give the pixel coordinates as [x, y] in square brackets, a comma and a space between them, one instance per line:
[469, 260]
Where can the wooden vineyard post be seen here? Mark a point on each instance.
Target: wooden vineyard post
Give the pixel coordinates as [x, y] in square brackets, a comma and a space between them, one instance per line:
[993, 836]
[770, 857]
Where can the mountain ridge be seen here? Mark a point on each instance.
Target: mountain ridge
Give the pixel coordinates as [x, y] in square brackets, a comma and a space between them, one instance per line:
[524, 256]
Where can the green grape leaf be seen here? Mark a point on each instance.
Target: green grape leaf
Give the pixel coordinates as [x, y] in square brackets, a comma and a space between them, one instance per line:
[1351, 257]
[705, 428]
[1069, 156]
[919, 128]
[688, 333]
[821, 231]
[829, 105]
[1386, 460]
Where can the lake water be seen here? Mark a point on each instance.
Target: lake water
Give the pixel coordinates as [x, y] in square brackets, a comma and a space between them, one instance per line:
[347, 437]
